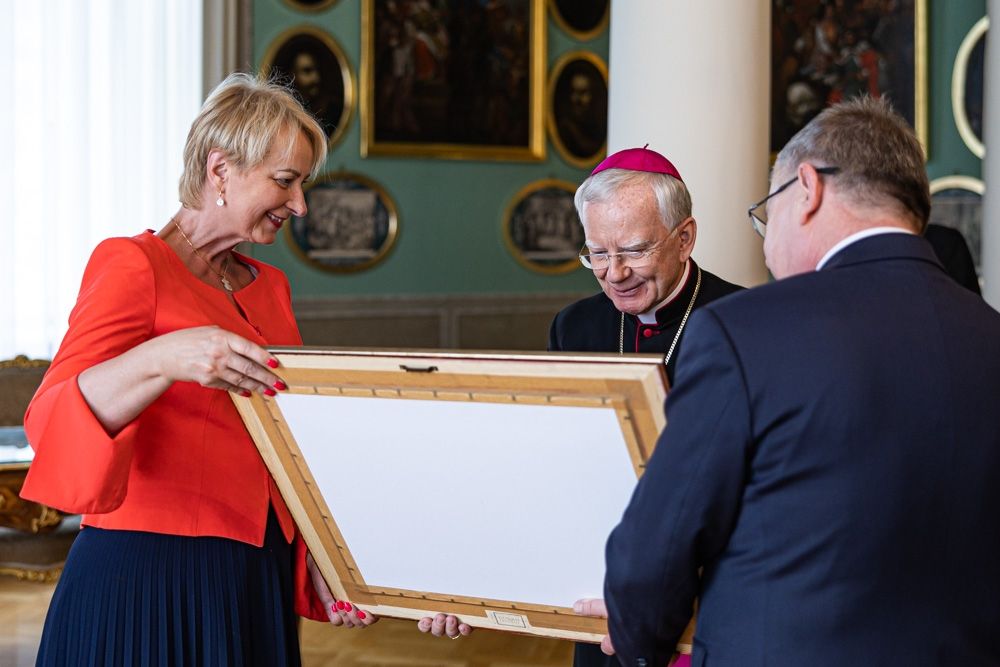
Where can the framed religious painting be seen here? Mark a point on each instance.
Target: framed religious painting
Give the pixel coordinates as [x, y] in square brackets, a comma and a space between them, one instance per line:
[316, 67]
[365, 442]
[826, 52]
[967, 87]
[581, 19]
[453, 79]
[957, 202]
[577, 115]
[541, 228]
[310, 6]
[351, 224]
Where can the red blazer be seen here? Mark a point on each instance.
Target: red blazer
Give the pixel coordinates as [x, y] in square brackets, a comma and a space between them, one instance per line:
[186, 465]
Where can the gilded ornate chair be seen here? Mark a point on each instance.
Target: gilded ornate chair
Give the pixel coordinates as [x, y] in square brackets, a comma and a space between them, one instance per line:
[34, 539]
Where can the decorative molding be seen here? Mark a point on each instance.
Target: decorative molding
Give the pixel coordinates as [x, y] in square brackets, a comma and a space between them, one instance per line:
[459, 321]
[21, 361]
[47, 576]
[23, 515]
[958, 84]
[970, 183]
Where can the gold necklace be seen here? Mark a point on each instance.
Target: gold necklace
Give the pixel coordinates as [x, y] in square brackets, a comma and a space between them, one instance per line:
[223, 278]
[677, 336]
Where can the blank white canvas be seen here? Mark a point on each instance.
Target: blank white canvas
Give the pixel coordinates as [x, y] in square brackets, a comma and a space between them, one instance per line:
[499, 501]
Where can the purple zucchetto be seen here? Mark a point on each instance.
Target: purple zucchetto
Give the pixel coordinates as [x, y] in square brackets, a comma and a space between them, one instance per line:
[639, 159]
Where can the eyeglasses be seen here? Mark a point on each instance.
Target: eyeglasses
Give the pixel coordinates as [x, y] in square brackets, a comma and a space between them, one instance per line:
[601, 261]
[758, 212]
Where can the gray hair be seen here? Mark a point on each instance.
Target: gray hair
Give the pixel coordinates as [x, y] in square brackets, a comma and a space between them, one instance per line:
[672, 197]
[880, 159]
[243, 117]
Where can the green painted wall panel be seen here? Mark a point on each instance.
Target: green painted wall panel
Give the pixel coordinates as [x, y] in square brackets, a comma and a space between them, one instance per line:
[450, 238]
[450, 234]
[949, 21]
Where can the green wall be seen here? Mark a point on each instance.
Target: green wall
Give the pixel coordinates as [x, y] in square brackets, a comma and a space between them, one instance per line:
[450, 239]
[450, 234]
[949, 21]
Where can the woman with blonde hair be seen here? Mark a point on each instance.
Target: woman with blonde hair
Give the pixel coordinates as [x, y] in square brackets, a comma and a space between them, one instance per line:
[188, 554]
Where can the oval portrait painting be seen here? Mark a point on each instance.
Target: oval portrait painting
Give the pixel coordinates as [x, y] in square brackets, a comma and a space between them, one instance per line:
[578, 108]
[582, 19]
[542, 229]
[317, 69]
[351, 223]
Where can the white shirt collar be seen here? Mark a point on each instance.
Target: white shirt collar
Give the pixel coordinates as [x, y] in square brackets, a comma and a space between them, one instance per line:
[649, 317]
[857, 236]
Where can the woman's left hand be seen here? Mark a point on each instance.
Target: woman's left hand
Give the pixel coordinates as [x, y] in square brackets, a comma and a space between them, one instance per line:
[340, 612]
[444, 626]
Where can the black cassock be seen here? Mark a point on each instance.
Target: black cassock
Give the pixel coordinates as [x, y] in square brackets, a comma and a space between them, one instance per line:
[595, 325]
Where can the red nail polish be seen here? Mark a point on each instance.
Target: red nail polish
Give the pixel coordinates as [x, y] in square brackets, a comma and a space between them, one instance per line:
[280, 385]
[245, 394]
[333, 607]
[273, 363]
[348, 607]
[362, 615]
[270, 392]
[340, 605]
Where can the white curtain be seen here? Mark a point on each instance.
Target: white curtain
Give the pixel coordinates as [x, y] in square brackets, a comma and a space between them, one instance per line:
[100, 97]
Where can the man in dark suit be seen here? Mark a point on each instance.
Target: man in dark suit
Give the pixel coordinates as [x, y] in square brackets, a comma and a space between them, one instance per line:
[956, 258]
[831, 447]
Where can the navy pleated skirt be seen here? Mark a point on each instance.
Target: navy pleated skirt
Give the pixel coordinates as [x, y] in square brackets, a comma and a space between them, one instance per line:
[135, 598]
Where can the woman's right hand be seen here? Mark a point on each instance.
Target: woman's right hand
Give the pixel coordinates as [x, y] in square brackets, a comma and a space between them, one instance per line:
[218, 359]
[118, 389]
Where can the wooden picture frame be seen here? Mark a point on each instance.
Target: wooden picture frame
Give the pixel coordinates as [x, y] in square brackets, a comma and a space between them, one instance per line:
[582, 20]
[542, 229]
[351, 225]
[457, 80]
[967, 87]
[313, 64]
[577, 111]
[821, 54]
[368, 446]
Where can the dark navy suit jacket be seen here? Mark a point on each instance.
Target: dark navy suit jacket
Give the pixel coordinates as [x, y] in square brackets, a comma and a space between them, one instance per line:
[832, 461]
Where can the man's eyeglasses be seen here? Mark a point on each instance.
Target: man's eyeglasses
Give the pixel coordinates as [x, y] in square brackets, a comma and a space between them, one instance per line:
[600, 261]
[758, 212]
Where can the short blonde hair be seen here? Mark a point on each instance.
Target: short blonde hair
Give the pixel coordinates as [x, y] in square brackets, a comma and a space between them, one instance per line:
[243, 117]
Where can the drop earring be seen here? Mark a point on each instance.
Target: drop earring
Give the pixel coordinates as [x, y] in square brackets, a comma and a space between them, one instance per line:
[220, 201]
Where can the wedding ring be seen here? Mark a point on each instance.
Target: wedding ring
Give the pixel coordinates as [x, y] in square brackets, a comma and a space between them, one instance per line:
[458, 636]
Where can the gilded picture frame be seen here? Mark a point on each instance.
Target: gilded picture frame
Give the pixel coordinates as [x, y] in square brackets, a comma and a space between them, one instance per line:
[577, 110]
[967, 87]
[582, 20]
[846, 49]
[310, 6]
[541, 228]
[456, 80]
[352, 223]
[313, 63]
[364, 441]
